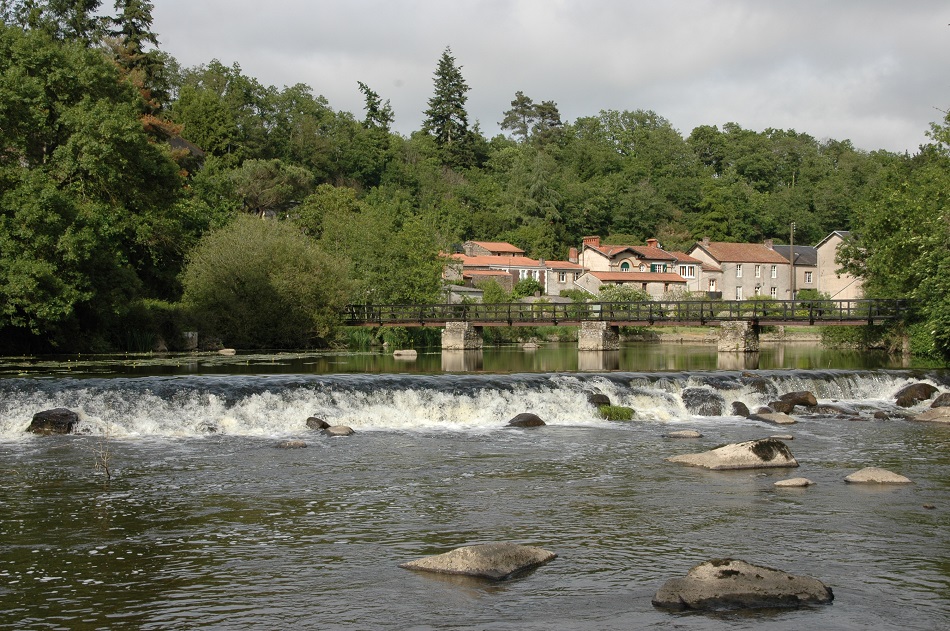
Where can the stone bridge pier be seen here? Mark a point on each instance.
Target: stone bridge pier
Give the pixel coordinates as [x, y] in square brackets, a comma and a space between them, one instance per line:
[739, 336]
[595, 335]
[461, 336]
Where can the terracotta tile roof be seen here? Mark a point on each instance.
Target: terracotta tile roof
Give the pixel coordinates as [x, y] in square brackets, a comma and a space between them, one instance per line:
[496, 261]
[499, 246]
[563, 265]
[638, 277]
[485, 272]
[683, 257]
[741, 252]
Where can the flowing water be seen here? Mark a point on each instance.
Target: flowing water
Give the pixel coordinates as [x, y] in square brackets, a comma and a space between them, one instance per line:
[205, 523]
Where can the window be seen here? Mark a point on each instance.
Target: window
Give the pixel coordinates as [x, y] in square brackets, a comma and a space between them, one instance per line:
[775, 271]
[758, 289]
[687, 271]
[643, 267]
[577, 275]
[625, 266]
[758, 271]
[739, 271]
[712, 284]
[808, 278]
[562, 277]
[738, 293]
[773, 292]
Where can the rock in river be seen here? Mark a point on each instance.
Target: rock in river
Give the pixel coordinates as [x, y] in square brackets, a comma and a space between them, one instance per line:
[914, 393]
[55, 421]
[496, 561]
[752, 454]
[526, 419]
[735, 584]
[876, 475]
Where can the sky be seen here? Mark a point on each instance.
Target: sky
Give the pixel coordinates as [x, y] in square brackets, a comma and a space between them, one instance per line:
[870, 71]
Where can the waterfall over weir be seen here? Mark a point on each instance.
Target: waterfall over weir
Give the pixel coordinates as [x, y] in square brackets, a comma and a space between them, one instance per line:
[278, 405]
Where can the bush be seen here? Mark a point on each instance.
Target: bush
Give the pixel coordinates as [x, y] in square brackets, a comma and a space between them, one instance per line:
[615, 412]
[263, 284]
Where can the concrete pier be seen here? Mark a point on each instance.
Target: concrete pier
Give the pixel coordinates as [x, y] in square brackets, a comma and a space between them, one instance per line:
[461, 336]
[738, 336]
[598, 336]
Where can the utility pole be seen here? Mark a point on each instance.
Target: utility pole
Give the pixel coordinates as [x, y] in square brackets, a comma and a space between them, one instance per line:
[791, 260]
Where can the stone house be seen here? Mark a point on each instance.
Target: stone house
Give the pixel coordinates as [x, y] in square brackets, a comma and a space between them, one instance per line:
[656, 284]
[839, 285]
[743, 270]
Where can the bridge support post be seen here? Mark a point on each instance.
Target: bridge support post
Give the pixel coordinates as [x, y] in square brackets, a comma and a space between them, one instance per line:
[738, 336]
[461, 336]
[596, 335]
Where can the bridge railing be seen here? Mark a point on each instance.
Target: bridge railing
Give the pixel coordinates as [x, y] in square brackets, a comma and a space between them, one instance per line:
[864, 311]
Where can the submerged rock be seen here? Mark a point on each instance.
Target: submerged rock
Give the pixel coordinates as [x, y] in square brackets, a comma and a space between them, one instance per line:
[777, 418]
[315, 422]
[291, 444]
[752, 454]
[914, 394]
[526, 419]
[338, 430]
[794, 483]
[55, 421]
[876, 475]
[684, 433]
[735, 584]
[934, 415]
[495, 561]
[703, 402]
[407, 354]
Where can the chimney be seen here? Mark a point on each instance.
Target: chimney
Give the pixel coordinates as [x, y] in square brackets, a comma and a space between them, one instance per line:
[706, 241]
[653, 243]
[572, 255]
[769, 244]
[593, 242]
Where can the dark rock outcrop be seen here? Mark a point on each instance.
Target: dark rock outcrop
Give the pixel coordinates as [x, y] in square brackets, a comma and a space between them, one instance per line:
[914, 394]
[735, 584]
[942, 401]
[782, 407]
[596, 399]
[703, 402]
[803, 397]
[495, 561]
[315, 422]
[526, 419]
[55, 421]
[740, 409]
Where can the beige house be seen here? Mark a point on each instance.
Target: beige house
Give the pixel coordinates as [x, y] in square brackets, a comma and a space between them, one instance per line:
[656, 284]
[742, 270]
[839, 285]
[806, 265]
[625, 258]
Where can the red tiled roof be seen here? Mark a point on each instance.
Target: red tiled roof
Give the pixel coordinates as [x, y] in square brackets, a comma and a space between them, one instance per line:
[485, 272]
[499, 246]
[490, 261]
[641, 251]
[682, 257]
[563, 265]
[638, 277]
[742, 252]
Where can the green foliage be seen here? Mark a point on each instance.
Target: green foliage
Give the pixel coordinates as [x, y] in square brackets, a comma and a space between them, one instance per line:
[622, 293]
[446, 118]
[263, 284]
[615, 412]
[526, 287]
[493, 293]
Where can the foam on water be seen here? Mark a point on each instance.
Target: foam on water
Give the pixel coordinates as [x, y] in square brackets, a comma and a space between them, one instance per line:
[279, 405]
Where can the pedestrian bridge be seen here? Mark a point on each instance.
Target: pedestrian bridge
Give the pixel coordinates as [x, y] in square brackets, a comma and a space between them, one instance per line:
[599, 322]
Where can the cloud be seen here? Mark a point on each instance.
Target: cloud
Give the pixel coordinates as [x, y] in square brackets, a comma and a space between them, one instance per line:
[870, 71]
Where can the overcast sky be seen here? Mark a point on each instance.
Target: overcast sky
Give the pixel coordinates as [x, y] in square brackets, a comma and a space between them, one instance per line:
[872, 71]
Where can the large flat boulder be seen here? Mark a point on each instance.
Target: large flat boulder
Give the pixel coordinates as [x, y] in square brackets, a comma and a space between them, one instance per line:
[934, 415]
[735, 584]
[495, 561]
[876, 475]
[914, 393]
[802, 397]
[776, 418]
[752, 454]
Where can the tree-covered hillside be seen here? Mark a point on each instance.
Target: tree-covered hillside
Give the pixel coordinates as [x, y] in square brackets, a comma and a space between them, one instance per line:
[118, 168]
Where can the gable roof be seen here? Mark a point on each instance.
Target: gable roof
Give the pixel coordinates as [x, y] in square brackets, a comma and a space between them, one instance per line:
[499, 246]
[805, 255]
[496, 261]
[682, 257]
[740, 252]
[638, 277]
[641, 251]
[844, 235]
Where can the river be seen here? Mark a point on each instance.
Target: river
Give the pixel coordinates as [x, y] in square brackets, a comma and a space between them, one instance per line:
[205, 523]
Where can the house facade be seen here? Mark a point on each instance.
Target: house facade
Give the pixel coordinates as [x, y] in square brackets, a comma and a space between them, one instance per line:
[656, 284]
[805, 265]
[743, 270]
[491, 248]
[839, 285]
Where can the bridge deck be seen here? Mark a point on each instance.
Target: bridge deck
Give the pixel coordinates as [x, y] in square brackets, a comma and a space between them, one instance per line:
[648, 313]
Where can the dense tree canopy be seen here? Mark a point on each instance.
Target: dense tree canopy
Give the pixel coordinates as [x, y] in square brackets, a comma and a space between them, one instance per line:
[114, 161]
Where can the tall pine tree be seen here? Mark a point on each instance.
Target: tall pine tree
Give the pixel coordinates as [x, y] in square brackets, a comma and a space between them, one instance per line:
[446, 119]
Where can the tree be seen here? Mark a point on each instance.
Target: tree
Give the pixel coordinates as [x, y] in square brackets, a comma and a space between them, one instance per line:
[263, 284]
[520, 119]
[136, 51]
[379, 115]
[266, 186]
[446, 118]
